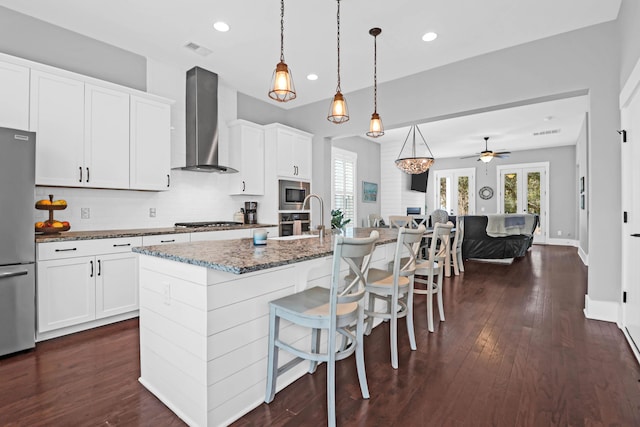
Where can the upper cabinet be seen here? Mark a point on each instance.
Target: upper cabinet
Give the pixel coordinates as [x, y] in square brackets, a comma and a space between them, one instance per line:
[246, 154]
[293, 149]
[150, 144]
[96, 134]
[106, 129]
[14, 96]
[57, 116]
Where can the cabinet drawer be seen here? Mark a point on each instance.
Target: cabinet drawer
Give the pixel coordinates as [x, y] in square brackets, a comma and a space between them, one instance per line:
[162, 239]
[77, 248]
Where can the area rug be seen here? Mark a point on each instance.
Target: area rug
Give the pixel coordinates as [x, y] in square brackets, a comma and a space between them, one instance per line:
[503, 261]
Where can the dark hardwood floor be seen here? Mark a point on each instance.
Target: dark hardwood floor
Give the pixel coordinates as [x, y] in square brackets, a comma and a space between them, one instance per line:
[515, 350]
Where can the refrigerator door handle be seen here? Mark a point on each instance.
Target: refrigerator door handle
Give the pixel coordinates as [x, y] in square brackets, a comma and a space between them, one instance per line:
[13, 274]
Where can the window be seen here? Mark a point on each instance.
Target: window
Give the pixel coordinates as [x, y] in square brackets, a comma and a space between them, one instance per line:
[455, 191]
[343, 183]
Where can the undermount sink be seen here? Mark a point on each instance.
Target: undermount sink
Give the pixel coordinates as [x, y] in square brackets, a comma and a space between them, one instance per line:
[300, 236]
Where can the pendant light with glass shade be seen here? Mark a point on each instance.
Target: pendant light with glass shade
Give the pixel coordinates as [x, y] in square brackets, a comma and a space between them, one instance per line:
[282, 88]
[338, 111]
[375, 125]
[414, 164]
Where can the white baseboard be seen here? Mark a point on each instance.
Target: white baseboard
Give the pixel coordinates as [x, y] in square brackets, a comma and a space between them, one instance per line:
[562, 242]
[583, 256]
[607, 311]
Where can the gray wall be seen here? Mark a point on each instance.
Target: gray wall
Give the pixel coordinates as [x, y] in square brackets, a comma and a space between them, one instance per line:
[562, 184]
[35, 40]
[259, 111]
[582, 171]
[629, 37]
[585, 60]
[368, 170]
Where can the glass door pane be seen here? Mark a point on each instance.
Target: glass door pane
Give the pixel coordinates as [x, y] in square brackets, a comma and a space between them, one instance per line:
[510, 191]
[463, 195]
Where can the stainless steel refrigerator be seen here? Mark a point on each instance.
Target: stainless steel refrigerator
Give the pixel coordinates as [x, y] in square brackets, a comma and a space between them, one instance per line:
[17, 248]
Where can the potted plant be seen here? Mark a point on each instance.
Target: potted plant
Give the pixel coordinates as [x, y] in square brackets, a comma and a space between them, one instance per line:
[337, 220]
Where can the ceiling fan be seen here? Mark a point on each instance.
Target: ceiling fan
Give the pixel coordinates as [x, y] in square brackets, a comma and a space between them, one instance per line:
[487, 155]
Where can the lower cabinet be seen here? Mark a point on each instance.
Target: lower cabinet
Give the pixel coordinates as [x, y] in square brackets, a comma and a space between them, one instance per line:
[81, 282]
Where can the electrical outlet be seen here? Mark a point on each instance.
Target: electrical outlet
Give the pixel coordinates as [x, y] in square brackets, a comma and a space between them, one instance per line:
[85, 213]
[152, 212]
[559, 232]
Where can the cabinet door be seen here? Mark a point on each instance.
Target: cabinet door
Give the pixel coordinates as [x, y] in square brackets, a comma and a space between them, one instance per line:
[116, 284]
[57, 115]
[150, 140]
[14, 96]
[302, 156]
[66, 292]
[247, 156]
[286, 162]
[106, 156]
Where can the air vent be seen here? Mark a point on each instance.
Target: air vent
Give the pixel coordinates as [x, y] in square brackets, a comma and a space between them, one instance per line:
[200, 50]
[547, 132]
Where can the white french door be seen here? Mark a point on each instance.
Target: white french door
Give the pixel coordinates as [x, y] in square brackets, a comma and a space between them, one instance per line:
[455, 191]
[631, 204]
[524, 189]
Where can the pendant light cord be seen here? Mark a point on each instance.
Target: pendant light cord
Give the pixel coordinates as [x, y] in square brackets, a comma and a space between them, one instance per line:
[338, 89]
[281, 30]
[375, 74]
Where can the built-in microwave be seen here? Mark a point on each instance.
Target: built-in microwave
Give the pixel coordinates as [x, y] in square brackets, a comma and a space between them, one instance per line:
[292, 194]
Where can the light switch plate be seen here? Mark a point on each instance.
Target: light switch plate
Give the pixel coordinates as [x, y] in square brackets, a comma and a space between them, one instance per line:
[85, 213]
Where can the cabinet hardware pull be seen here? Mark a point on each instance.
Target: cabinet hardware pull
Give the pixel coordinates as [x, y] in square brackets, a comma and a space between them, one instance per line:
[243, 186]
[13, 274]
[99, 267]
[635, 235]
[80, 173]
[65, 250]
[123, 244]
[87, 174]
[91, 262]
[168, 180]
[167, 241]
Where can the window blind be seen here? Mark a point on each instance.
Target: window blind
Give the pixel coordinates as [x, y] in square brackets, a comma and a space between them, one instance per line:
[344, 186]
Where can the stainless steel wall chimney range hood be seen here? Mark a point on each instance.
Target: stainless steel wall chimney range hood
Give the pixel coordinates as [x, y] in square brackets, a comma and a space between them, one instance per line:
[202, 122]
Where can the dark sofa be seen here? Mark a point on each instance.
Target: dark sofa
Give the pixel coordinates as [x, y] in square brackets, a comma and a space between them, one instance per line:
[477, 244]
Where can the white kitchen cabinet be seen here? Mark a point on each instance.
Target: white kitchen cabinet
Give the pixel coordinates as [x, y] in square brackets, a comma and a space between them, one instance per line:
[150, 144]
[14, 96]
[106, 152]
[115, 290]
[165, 239]
[66, 294]
[57, 115]
[293, 148]
[86, 283]
[246, 154]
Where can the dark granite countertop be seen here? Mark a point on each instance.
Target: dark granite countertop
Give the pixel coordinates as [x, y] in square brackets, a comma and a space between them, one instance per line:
[241, 256]
[110, 234]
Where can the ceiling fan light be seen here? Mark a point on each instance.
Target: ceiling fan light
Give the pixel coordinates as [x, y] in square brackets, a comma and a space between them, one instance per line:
[282, 87]
[486, 157]
[375, 126]
[338, 111]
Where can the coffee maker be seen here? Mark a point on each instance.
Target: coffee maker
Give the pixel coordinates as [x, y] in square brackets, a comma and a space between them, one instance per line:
[250, 212]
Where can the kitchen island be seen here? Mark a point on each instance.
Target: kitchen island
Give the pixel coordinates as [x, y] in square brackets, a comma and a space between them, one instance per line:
[204, 318]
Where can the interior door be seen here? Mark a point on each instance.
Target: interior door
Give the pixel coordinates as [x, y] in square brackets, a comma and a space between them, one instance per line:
[631, 205]
[523, 190]
[455, 191]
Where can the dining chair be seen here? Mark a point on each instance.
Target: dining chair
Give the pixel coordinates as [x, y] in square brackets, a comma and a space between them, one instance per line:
[395, 290]
[418, 220]
[456, 247]
[439, 215]
[334, 309]
[432, 266]
[400, 221]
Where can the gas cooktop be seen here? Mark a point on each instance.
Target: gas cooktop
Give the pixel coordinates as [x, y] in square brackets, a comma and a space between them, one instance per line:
[207, 224]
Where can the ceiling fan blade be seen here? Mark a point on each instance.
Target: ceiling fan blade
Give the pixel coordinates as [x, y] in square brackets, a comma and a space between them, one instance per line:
[502, 152]
[501, 155]
[470, 157]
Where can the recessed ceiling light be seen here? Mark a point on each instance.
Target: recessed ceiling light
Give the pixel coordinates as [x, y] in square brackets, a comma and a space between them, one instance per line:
[548, 118]
[430, 36]
[223, 27]
[312, 77]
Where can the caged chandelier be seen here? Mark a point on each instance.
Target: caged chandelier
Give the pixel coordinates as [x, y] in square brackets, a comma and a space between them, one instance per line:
[414, 164]
[282, 88]
[375, 124]
[338, 111]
